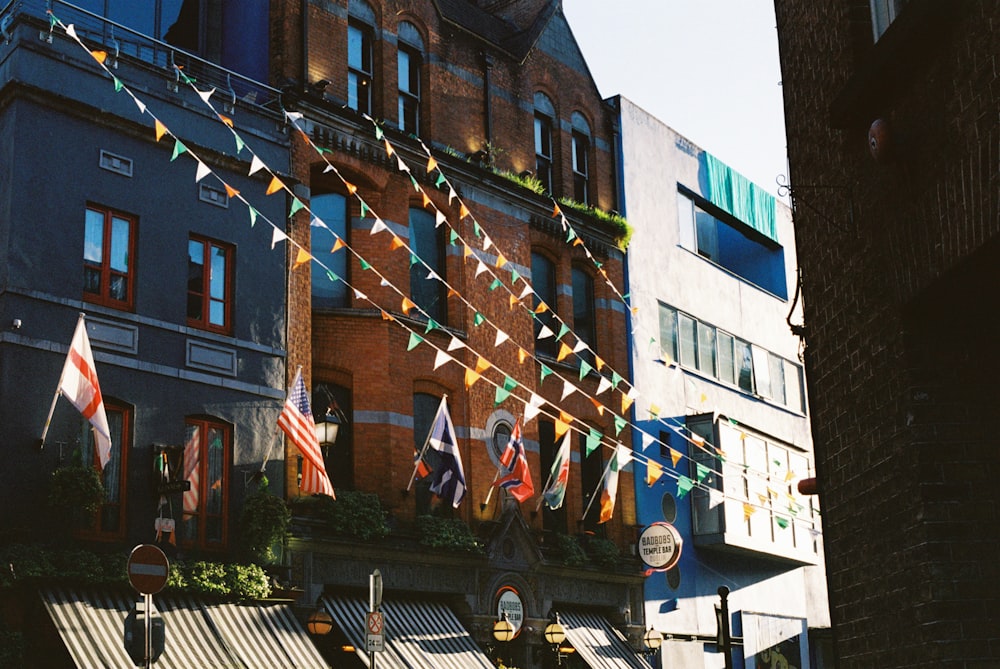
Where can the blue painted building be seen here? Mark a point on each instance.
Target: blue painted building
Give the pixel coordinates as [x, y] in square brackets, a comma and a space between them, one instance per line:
[721, 406]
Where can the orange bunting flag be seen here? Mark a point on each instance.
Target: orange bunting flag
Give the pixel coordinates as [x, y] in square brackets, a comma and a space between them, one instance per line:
[302, 257]
[653, 472]
[564, 351]
[463, 211]
[626, 403]
[522, 355]
[467, 251]
[337, 245]
[556, 210]
[513, 299]
[226, 120]
[99, 56]
[452, 292]
[396, 243]
[501, 261]
[427, 200]
[470, 378]
[748, 510]
[597, 405]
[599, 362]
[230, 191]
[562, 427]
[541, 308]
[482, 364]
[386, 316]
[675, 456]
[407, 305]
[275, 186]
[789, 476]
[431, 164]
[388, 148]
[160, 129]
[577, 242]
[351, 188]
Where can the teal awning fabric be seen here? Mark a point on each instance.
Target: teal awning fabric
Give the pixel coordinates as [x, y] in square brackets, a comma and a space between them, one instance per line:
[732, 192]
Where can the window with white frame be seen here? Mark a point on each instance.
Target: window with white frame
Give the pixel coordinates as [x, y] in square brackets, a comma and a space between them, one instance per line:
[409, 58]
[884, 12]
[360, 56]
[545, 113]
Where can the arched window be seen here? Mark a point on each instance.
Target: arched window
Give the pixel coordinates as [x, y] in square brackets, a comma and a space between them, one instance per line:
[410, 59]
[553, 520]
[543, 281]
[591, 474]
[425, 407]
[207, 452]
[545, 114]
[329, 291]
[360, 56]
[109, 521]
[427, 241]
[581, 159]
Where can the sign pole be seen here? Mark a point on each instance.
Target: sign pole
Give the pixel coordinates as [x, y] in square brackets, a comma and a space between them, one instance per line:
[148, 603]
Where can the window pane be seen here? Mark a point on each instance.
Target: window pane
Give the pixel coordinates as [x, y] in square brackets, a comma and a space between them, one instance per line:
[689, 350]
[331, 208]
[685, 218]
[706, 349]
[543, 280]
[217, 281]
[119, 244]
[793, 386]
[93, 241]
[744, 365]
[708, 238]
[215, 486]
[426, 241]
[583, 306]
[761, 372]
[355, 47]
[727, 367]
[777, 374]
[196, 279]
[668, 333]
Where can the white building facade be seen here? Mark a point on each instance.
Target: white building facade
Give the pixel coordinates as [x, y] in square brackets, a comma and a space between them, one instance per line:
[720, 406]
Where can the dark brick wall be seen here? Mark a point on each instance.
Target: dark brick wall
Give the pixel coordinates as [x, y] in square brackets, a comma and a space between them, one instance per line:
[900, 266]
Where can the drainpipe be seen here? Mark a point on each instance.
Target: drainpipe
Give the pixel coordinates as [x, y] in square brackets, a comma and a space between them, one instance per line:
[305, 44]
[488, 92]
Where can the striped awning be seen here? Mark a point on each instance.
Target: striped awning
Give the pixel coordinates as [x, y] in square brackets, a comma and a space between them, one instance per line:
[418, 634]
[200, 633]
[599, 644]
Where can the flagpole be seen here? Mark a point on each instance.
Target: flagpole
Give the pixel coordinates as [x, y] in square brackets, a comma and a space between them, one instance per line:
[599, 484]
[548, 482]
[427, 441]
[482, 507]
[55, 398]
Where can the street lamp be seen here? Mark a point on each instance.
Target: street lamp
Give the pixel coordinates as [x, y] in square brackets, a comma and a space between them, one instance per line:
[327, 429]
[555, 634]
[320, 623]
[652, 640]
[503, 629]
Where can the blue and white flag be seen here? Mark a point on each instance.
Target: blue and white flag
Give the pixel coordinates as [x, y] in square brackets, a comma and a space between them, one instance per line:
[449, 477]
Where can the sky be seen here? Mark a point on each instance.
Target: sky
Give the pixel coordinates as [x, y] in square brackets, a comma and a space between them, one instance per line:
[707, 68]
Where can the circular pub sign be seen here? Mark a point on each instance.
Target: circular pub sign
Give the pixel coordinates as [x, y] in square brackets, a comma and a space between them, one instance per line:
[660, 546]
[509, 602]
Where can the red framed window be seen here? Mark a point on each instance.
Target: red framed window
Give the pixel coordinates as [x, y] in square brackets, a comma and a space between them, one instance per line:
[108, 523]
[207, 449]
[210, 269]
[109, 257]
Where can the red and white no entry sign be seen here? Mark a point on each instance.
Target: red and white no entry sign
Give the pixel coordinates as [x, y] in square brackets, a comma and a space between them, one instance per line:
[148, 569]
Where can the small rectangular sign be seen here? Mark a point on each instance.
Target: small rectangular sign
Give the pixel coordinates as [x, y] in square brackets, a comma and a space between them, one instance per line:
[172, 487]
[374, 643]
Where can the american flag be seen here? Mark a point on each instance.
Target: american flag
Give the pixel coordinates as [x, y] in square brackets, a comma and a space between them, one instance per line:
[296, 421]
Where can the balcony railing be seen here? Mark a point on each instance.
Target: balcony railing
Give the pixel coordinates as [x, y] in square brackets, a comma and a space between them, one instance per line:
[122, 42]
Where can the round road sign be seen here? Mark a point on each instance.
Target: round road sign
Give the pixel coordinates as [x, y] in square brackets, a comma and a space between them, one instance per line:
[148, 569]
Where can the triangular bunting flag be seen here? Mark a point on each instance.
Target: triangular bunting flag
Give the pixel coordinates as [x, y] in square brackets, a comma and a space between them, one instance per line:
[201, 171]
[256, 164]
[653, 472]
[441, 358]
[274, 186]
[277, 236]
[415, 339]
[159, 129]
[684, 485]
[302, 257]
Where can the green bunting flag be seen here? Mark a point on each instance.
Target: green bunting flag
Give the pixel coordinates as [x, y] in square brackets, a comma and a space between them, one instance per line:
[702, 471]
[333, 277]
[53, 21]
[415, 339]
[620, 424]
[562, 332]
[413, 181]
[439, 181]
[478, 319]
[431, 324]
[496, 284]
[413, 259]
[504, 391]
[296, 206]
[453, 237]
[365, 265]
[476, 230]
[364, 209]
[179, 148]
[545, 371]
[684, 485]
[239, 143]
[571, 236]
[782, 522]
[593, 441]
[616, 378]
[253, 215]
[118, 84]
[584, 369]
[514, 276]
[378, 133]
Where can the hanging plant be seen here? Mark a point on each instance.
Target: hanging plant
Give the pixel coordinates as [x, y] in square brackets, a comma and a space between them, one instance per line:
[263, 525]
[76, 492]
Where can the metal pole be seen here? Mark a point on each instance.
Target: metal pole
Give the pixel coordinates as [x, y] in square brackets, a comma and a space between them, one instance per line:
[725, 637]
[147, 623]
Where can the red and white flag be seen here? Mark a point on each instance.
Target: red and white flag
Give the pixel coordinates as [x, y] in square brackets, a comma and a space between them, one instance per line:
[516, 478]
[296, 421]
[192, 469]
[79, 385]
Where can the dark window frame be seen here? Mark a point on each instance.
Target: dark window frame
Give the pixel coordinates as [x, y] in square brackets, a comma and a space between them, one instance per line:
[204, 322]
[120, 448]
[360, 66]
[203, 425]
[104, 267]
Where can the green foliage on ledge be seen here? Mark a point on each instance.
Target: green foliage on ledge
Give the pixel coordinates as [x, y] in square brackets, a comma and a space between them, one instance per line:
[33, 565]
[353, 513]
[569, 550]
[617, 221]
[447, 533]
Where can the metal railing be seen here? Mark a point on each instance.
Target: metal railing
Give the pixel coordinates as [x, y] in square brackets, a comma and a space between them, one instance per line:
[124, 43]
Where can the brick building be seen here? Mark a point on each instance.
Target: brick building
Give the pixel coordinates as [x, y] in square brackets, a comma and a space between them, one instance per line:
[437, 272]
[893, 141]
